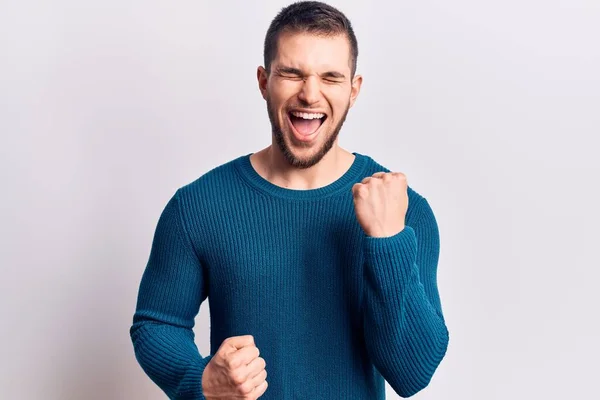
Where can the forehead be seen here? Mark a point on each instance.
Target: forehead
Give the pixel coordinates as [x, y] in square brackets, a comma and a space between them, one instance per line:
[308, 51]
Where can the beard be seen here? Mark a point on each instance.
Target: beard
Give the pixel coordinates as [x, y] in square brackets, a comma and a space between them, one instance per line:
[287, 151]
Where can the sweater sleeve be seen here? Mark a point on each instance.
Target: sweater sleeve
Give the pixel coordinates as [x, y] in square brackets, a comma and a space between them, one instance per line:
[405, 333]
[171, 290]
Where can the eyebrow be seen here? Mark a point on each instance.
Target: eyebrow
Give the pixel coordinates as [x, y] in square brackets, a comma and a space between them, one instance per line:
[296, 71]
[288, 70]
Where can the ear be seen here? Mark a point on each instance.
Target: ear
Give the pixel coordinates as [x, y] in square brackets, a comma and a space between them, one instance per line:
[356, 84]
[262, 76]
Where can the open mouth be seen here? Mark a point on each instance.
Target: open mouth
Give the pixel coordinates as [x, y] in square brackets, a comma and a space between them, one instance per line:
[306, 124]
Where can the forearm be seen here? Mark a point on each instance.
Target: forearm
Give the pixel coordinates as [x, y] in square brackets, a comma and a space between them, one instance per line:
[170, 358]
[405, 332]
[405, 337]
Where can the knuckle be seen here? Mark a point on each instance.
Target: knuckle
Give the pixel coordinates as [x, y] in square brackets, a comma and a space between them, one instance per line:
[229, 361]
[245, 388]
[220, 359]
[237, 379]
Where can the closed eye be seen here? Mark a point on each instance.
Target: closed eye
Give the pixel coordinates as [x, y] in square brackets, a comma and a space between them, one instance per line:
[296, 74]
[295, 77]
[289, 73]
[334, 77]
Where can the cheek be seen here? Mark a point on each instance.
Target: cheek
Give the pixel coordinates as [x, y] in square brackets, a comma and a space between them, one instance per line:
[338, 98]
[283, 91]
[278, 103]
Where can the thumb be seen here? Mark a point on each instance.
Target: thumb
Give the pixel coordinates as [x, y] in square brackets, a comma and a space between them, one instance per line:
[238, 342]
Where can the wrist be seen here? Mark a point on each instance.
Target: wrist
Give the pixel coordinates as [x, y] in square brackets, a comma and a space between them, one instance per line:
[383, 233]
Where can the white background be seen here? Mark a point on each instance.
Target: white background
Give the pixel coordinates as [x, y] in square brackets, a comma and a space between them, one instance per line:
[491, 109]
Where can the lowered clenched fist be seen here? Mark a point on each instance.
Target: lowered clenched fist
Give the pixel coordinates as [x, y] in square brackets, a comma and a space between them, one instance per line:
[381, 202]
[236, 371]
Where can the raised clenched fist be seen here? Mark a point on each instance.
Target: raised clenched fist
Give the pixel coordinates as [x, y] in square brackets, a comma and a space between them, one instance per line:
[381, 203]
[236, 371]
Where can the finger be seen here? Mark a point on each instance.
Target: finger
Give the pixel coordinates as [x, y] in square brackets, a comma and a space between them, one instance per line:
[359, 191]
[259, 378]
[379, 174]
[235, 343]
[256, 365]
[242, 357]
[260, 389]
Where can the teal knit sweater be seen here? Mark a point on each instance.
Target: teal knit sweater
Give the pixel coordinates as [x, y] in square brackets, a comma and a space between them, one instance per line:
[333, 311]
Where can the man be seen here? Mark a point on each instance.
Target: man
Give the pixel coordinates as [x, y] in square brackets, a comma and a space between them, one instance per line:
[316, 268]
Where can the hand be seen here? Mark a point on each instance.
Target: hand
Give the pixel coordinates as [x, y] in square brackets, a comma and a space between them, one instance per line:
[236, 371]
[381, 202]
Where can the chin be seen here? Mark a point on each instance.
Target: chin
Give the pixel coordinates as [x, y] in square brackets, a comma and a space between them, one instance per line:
[304, 155]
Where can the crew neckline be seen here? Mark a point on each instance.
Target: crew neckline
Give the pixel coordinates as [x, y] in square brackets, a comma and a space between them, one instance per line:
[344, 182]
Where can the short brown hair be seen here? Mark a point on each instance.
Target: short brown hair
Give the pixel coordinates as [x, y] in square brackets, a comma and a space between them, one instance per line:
[309, 17]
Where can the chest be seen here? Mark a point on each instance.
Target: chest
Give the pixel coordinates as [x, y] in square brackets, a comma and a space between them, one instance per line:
[290, 253]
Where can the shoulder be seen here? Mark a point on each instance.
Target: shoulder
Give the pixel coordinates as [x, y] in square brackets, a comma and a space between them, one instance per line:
[199, 199]
[210, 183]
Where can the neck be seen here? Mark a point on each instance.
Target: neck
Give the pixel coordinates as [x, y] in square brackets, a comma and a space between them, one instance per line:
[272, 165]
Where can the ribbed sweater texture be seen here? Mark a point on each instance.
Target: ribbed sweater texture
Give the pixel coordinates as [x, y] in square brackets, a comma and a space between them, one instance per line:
[333, 311]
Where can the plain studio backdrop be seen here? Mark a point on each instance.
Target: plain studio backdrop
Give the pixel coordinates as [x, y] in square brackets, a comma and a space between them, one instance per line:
[491, 109]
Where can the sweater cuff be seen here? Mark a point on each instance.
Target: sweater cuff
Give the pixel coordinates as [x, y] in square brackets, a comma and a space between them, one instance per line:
[192, 382]
[392, 258]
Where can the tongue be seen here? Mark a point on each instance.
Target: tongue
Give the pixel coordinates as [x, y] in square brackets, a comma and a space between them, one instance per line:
[305, 126]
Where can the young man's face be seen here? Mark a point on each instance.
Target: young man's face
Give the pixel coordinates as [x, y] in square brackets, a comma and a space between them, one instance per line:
[309, 75]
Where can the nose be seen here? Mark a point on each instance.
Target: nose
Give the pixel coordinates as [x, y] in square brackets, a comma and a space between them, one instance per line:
[310, 90]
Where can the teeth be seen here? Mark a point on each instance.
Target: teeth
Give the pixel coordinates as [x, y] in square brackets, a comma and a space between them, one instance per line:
[307, 115]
